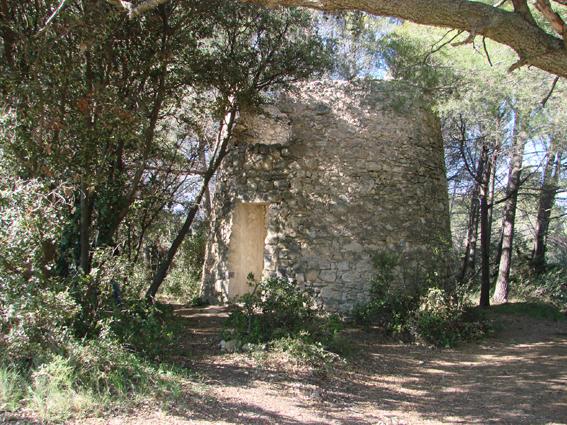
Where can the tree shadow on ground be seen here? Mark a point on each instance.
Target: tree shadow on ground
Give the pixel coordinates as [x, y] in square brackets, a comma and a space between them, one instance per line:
[517, 378]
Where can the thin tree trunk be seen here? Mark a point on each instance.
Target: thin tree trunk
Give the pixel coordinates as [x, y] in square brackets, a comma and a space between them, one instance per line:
[503, 279]
[472, 231]
[203, 160]
[493, 164]
[214, 164]
[546, 201]
[485, 231]
[84, 229]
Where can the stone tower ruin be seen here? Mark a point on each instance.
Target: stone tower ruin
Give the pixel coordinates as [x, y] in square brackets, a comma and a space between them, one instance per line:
[323, 180]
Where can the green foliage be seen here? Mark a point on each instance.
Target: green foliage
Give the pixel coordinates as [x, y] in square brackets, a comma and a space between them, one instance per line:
[86, 378]
[434, 313]
[279, 312]
[51, 394]
[355, 36]
[304, 349]
[142, 327]
[549, 287]
[445, 320]
[106, 368]
[536, 310]
[183, 281]
[11, 389]
[36, 307]
[389, 307]
[276, 307]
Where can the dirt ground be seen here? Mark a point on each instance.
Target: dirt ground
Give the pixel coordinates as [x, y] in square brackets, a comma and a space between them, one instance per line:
[517, 377]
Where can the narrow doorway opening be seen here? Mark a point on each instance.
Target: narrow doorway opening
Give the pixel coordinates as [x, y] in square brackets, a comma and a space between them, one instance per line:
[246, 249]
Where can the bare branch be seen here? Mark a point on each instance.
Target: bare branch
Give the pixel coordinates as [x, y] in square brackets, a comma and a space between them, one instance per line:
[468, 40]
[486, 50]
[557, 23]
[546, 98]
[53, 15]
[436, 49]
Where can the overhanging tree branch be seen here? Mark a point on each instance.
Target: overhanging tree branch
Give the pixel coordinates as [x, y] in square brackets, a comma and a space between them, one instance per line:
[532, 43]
[557, 23]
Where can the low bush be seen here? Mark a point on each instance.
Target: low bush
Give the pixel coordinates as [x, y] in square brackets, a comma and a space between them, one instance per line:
[281, 315]
[533, 309]
[444, 320]
[139, 326]
[389, 307]
[433, 314]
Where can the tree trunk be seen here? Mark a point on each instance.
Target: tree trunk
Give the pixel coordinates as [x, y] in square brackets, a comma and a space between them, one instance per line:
[485, 230]
[472, 231]
[203, 161]
[503, 280]
[546, 200]
[214, 164]
[493, 165]
[84, 229]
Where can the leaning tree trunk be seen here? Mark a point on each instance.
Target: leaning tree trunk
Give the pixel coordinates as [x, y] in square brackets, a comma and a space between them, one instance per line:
[216, 160]
[514, 175]
[546, 200]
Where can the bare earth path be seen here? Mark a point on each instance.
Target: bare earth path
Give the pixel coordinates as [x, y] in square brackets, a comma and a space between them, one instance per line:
[518, 377]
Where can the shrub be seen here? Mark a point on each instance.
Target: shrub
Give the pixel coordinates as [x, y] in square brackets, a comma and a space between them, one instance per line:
[282, 314]
[36, 306]
[435, 313]
[275, 308]
[107, 369]
[445, 320]
[139, 326]
[303, 348]
[389, 307]
[52, 394]
[96, 374]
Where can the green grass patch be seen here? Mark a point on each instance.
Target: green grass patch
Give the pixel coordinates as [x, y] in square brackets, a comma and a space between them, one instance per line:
[535, 310]
[90, 378]
[11, 389]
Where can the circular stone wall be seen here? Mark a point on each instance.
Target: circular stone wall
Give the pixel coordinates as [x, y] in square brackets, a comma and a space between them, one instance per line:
[323, 181]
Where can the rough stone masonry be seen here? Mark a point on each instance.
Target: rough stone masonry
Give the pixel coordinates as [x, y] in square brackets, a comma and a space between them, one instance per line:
[323, 180]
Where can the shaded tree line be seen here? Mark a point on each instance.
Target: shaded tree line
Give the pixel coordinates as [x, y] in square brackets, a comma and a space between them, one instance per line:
[127, 122]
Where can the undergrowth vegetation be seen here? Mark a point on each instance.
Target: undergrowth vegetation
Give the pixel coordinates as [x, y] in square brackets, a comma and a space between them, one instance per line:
[280, 315]
[433, 312]
[85, 379]
[549, 287]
